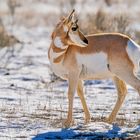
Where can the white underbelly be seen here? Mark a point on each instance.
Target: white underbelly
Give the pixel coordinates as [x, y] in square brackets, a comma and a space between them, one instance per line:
[94, 66]
[90, 75]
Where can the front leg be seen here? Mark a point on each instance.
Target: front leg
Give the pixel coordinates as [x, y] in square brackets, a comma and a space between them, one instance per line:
[73, 81]
[83, 101]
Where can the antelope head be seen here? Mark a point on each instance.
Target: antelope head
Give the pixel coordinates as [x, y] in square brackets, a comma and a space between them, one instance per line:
[67, 32]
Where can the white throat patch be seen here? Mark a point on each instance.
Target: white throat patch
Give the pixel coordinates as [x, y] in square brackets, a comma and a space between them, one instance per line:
[57, 54]
[58, 43]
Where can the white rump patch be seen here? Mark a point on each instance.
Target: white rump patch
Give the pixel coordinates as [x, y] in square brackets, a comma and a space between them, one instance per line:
[133, 50]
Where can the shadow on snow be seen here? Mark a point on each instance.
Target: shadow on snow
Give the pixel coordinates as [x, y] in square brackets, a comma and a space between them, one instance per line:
[77, 133]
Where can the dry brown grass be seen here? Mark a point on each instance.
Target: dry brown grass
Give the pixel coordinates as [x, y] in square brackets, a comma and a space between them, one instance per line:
[5, 39]
[103, 22]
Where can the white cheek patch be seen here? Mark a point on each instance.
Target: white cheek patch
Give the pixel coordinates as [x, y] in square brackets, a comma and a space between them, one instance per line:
[76, 39]
[65, 29]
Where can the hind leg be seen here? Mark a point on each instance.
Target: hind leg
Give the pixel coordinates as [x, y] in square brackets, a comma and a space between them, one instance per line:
[121, 91]
[125, 72]
[134, 82]
[129, 77]
[122, 68]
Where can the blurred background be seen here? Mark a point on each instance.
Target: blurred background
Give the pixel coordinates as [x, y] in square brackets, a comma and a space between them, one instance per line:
[32, 98]
[94, 15]
[98, 14]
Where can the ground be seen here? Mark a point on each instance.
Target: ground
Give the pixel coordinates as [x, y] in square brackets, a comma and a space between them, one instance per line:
[34, 106]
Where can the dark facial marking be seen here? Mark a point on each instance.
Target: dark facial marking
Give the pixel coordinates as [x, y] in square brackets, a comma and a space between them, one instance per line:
[85, 40]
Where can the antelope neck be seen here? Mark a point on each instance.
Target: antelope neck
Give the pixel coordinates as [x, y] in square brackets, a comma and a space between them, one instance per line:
[58, 51]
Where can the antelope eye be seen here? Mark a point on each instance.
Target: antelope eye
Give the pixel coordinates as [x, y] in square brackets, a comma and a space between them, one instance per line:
[74, 28]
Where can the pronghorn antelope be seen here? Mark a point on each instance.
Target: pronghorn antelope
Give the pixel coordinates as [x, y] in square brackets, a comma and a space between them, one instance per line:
[76, 57]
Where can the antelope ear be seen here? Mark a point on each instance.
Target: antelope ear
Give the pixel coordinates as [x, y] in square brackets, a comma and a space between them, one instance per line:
[69, 17]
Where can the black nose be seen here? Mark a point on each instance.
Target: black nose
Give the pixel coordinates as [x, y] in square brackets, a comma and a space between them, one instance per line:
[85, 40]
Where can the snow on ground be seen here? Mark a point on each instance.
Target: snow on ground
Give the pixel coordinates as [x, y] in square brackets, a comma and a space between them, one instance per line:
[32, 107]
